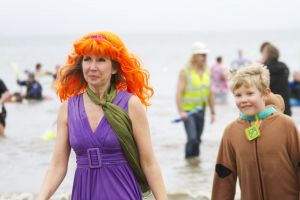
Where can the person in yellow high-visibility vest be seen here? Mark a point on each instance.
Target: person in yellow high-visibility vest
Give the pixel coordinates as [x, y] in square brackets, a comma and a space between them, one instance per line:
[194, 92]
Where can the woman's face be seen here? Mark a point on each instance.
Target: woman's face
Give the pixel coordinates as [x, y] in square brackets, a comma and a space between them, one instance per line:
[199, 60]
[97, 70]
[264, 54]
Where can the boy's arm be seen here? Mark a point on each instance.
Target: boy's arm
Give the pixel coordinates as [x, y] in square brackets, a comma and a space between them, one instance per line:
[294, 150]
[225, 171]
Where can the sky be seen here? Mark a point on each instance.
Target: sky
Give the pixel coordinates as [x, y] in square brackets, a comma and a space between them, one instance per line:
[55, 17]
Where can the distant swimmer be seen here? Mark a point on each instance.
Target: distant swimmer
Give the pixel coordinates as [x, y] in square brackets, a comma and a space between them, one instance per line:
[295, 86]
[54, 75]
[57, 67]
[3, 98]
[240, 61]
[39, 72]
[33, 91]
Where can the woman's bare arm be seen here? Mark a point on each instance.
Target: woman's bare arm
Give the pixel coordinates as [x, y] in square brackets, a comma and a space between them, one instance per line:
[142, 138]
[59, 163]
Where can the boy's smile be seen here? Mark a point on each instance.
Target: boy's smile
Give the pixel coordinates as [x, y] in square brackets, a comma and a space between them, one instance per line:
[249, 100]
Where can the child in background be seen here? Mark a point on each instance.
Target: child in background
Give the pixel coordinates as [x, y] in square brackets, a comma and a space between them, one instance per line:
[261, 147]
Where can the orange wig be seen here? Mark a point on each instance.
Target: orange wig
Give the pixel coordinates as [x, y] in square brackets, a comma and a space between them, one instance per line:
[131, 76]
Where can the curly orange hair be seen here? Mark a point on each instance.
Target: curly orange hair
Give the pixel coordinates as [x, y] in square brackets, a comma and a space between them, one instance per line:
[131, 76]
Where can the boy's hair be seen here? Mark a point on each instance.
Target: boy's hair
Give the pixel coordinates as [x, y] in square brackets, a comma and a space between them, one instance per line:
[253, 75]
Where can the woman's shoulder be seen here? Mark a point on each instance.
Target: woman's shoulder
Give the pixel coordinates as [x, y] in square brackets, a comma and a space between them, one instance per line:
[75, 97]
[122, 99]
[134, 100]
[123, 95]
[74, 101]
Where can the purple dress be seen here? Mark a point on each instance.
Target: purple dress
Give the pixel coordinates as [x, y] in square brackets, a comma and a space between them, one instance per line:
[102, 172]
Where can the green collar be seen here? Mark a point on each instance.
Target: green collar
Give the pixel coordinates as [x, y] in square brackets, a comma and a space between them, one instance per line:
[261, 115]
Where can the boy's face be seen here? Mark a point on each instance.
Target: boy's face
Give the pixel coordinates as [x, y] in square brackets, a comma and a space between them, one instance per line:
[249, 100]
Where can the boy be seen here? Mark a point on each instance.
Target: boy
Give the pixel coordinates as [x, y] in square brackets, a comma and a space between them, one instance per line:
[261, 147]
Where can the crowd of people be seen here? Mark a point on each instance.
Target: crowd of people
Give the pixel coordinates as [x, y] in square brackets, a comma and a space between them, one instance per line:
[199, 85]
[262, 147]
[104, 91]
[34, 91]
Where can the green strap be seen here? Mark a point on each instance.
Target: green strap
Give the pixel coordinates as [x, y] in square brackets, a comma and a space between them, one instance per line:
[122, 126]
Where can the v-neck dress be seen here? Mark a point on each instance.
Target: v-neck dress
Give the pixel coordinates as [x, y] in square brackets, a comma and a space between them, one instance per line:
[102, 172]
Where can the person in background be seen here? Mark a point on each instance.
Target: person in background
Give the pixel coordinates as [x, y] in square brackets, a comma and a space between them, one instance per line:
[103, 120]
[54, 75]
[57, 67]
[194, 91]
[33, 88]
[262, 147]
[240, 61]
[4, 95]
[39, 72]
[263, 51]
[219, 84]
[295, 86]
[279, 74]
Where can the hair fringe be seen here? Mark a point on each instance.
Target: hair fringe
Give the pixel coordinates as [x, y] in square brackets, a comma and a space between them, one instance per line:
[245, 75]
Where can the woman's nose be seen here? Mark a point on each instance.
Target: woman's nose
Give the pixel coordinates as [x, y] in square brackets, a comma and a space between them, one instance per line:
[93, 64]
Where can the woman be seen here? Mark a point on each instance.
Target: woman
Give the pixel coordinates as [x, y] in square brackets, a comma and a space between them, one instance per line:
[102, 82]
[194, 93]
[279, 74]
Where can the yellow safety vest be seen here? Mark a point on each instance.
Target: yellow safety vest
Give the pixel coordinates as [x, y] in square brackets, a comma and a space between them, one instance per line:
[197, 89]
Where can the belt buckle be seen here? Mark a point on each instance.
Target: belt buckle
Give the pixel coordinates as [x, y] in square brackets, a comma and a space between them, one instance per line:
[91, 163]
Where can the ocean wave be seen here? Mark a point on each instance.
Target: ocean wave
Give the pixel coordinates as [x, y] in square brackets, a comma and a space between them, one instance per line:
[31, 196]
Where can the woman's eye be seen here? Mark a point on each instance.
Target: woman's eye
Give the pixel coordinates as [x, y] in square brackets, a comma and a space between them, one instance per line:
[86, 59]
[101, 60]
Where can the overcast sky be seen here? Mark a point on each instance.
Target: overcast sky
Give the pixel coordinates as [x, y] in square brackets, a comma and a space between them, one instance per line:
[37, 17]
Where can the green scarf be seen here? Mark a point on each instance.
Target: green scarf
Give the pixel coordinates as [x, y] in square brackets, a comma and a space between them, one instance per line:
[121, 124]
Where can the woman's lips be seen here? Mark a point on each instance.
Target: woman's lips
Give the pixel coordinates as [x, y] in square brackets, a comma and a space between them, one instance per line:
[93, 77]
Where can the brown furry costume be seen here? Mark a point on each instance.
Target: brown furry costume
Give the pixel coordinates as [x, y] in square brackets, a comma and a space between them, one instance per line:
[268, 168]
